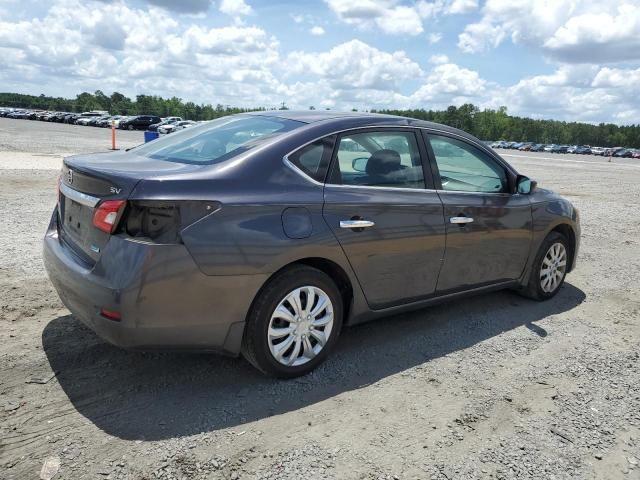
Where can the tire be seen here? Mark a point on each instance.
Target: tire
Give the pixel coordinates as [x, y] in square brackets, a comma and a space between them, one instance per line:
[305, 351]
[538, 288]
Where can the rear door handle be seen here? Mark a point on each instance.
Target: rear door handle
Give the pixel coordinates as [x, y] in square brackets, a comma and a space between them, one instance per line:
[461, 220]
[356, 224]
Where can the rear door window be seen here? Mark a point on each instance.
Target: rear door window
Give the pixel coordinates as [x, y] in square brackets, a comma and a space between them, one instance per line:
[378, 159]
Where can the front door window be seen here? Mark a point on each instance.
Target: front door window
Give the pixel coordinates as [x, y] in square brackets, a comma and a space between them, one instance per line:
[465, 168]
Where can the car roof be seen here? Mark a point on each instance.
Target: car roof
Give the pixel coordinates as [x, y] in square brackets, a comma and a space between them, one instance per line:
[331, 118]
[312, 116]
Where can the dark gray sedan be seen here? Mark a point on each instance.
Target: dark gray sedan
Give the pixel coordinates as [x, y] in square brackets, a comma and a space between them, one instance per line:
[265, 233]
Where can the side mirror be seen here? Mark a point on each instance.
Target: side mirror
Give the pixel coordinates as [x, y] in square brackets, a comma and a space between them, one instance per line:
[525, 185]
[359, 164]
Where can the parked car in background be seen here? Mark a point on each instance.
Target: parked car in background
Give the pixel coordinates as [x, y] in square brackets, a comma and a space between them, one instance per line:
[597, 150]
[21, 114]
[174, 127]
[139, 122]
[166, 121]
[559, 149]
[611, 152]
[71, 118]
[635, 154]
[572, 148]
[86, 117]
[538, 147]
[248, 235]
[624, 153]
[94, 122]
[582, 150]
[106, 122]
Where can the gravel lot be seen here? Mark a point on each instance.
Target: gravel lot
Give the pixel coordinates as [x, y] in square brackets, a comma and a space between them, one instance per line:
[494, 387]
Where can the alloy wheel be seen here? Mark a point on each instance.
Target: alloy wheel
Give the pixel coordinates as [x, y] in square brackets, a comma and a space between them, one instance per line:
[300, 326]
[554, 265]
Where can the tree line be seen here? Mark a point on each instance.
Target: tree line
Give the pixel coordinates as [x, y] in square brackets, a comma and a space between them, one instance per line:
[119, 104]
[487, 124]
[491, 124]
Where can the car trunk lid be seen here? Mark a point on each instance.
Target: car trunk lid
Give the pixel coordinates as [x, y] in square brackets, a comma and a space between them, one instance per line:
[87, 181]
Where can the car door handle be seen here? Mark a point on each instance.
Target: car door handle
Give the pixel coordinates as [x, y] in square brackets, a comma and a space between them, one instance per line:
[461, 220]
[356, 223]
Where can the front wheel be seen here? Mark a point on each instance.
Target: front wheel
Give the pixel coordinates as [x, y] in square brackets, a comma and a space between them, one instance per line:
[294, 322]
[549, 268]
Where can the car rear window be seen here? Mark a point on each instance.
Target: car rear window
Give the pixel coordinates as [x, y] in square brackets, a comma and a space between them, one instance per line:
[217, 140]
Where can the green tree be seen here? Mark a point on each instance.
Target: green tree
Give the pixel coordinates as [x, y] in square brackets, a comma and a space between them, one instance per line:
[486, 124]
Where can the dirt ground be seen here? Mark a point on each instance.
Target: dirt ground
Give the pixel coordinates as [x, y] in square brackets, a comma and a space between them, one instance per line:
[493, 387]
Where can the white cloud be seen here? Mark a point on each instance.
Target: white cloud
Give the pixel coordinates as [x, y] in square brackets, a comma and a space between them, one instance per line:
[577, 31]
[434, 38]
[438, 59]
[135, 48]
[617, 78]
[449, 81]
[317, 31]
[183, 6]
[400, 20]
[480, 36]
[235, 8]
[355, 64]
[582, 38]
[575, 93]
[434, 8]
[396, 17]
[234, 40]
[462, 6]
[69, 48]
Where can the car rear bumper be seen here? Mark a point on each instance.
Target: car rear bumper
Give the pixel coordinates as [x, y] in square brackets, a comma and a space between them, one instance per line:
[164, 300]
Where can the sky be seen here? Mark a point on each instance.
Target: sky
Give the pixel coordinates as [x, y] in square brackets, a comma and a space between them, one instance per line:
[562, 59]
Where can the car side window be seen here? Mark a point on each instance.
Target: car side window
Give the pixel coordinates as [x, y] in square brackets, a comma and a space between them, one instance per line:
[465, 168]
[313, 159]
[378, 159]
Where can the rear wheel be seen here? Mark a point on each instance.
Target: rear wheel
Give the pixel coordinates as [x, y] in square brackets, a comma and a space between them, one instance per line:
[549, 268]
[294, 322]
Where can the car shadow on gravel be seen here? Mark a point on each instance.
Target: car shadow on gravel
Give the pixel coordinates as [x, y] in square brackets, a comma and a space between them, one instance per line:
[154, 396]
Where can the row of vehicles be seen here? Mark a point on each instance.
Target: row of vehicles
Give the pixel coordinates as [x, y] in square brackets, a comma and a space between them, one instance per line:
[100, 118]
[576, 149]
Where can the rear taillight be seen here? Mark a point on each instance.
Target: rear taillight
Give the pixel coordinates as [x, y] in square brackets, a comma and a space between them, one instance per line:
[162, 221]
[110, 314]
[107, 214]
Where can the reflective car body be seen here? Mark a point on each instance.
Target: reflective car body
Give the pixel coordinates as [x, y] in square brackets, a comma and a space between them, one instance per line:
[227, 226]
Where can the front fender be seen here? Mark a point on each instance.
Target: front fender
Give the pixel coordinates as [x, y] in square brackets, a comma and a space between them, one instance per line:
[551, 212]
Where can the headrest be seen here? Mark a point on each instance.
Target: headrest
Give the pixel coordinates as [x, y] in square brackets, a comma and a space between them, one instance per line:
[383, 162]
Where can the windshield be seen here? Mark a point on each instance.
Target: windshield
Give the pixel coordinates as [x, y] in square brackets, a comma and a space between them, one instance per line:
[217, 140]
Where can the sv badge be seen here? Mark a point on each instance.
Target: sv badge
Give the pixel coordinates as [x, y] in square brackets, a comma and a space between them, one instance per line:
[115, 190]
